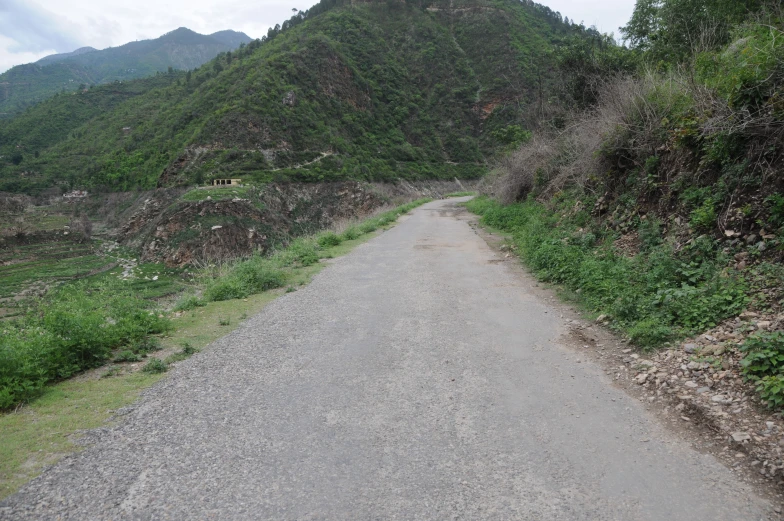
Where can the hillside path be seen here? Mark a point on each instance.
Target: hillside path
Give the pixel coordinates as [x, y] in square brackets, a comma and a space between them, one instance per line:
[417, 378]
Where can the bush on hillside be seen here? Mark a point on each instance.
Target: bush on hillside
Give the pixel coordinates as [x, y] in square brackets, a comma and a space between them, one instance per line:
[75, 328]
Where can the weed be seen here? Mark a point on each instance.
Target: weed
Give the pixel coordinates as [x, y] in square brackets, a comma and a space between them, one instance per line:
[126, 356]
[654, 297]
[351, 233]
[243, 316]
[146, 345]
[114, 371]
[329, 239]
[155, 366]
[188, 302]
[245, 278]
[187, 351]
[224, 321]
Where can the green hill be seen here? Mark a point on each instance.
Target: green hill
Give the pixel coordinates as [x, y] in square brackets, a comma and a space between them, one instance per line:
[360, 91]
[25, 85]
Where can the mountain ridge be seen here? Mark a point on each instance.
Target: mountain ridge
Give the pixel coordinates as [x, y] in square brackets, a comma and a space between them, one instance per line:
[27, 84]
[379, 91]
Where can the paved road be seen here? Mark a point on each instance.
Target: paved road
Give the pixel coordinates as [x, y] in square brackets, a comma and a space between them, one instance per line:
[415, 379]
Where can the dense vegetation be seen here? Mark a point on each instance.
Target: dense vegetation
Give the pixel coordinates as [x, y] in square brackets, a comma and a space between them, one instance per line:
[367, 91]
[660, 202]
[24, 85]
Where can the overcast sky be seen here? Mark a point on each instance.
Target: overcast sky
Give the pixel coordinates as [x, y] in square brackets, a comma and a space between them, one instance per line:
[32, 29]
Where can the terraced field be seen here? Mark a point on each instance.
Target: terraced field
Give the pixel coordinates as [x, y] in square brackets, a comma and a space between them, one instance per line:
[27, 270]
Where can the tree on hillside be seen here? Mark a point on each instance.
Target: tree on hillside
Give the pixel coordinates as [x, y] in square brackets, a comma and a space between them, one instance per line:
[670, 30]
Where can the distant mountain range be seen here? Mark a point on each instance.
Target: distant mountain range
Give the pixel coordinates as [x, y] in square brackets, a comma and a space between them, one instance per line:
[25, 85]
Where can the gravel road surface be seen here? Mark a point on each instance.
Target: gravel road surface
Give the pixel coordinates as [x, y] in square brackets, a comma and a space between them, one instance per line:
[417, 378]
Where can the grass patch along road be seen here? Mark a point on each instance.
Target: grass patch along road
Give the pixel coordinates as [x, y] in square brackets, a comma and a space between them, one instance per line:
[40, 433]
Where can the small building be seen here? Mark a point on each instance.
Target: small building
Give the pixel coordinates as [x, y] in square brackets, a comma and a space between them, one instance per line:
[222, 182]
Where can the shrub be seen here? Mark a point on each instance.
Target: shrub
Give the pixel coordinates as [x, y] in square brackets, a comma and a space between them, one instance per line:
[650, 332]
[655, 296]
[127, 356]
[245, 278]
[351, 233]
[328, 239]
[303, 251]
[75, 328]
[188, 302]
[764, 363]
[764, 355]
[155, 366]
[368, 226]
[146, 345]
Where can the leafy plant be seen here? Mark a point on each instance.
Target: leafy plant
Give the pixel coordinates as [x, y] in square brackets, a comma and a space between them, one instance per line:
[188, 302]
[764, 355]
[351, 233]
[127, 356]
[328, 239]
[155, 366]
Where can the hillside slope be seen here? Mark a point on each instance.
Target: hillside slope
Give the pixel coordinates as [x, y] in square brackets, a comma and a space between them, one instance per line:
[25, 85]
[365, 91]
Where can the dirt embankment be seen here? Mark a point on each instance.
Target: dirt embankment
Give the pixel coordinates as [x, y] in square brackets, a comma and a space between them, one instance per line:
[166, 228]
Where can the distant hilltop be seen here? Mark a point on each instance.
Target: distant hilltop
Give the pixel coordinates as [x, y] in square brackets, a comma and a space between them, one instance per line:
[26, 85]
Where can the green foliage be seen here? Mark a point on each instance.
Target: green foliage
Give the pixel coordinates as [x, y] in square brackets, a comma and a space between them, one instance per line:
[328, 239]
[750, 71]
[126, 356]
[670, 29]
[65, 73]
[245, 278]
[512, 135]
[763, 363]
[585, 61]
[188, 302]
[351, 233]
[704, 217]
[654, 296]
[155, 366]
[75, 328]
[775, 204]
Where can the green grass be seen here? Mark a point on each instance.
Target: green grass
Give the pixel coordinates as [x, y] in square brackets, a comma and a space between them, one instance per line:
[41, 433]
[47, 263]
[653, 297]
[216, 193]
[460, 194]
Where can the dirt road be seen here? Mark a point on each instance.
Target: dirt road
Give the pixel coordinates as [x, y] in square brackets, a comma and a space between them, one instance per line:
[417, 378]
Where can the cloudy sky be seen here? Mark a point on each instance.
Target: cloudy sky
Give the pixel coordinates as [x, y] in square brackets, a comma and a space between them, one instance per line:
[32, 29]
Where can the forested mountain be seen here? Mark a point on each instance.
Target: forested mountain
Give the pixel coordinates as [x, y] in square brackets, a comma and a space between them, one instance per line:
[25, 85]
[363, 90]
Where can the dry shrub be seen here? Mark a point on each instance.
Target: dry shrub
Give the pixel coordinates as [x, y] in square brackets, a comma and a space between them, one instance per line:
[625, 121]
